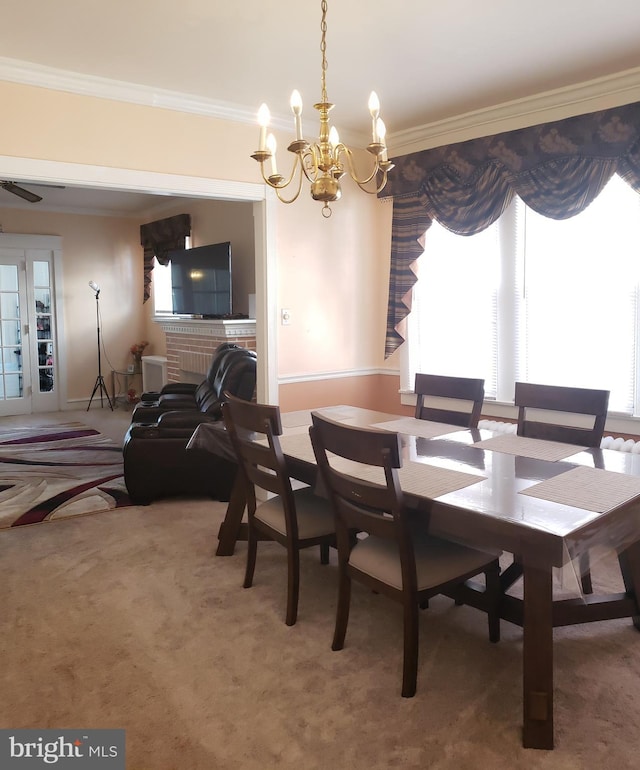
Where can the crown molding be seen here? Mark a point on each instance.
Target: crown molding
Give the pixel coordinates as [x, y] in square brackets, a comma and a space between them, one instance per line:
[27, 73]
[590, 96]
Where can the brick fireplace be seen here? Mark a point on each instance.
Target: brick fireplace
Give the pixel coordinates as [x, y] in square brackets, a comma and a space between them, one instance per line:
[191, 342]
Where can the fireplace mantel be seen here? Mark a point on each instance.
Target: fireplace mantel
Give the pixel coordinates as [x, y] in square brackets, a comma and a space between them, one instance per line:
[191, 342]
[235, 327]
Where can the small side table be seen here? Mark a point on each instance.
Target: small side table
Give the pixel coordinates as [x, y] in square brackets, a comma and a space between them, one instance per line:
[127, 378]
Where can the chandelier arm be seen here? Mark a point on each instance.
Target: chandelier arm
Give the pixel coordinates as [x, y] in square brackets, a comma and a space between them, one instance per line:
[381, 185]
[378, 188]
[341, 149]
[281, 183]
[295, 197]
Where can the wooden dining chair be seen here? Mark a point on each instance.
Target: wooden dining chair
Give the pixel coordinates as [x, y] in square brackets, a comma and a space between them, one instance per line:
[557, 407]
[464, 396]
[297, 518]
[559, 402]
[397, 557]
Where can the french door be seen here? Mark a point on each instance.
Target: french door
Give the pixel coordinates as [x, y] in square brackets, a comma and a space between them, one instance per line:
[29, 360]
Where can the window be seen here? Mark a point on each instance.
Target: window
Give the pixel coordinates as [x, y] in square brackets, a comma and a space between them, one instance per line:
[161, 284]
[534, 299]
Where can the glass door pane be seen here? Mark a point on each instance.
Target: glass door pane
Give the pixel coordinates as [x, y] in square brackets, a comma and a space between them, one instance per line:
[11, 352]
[43, 311]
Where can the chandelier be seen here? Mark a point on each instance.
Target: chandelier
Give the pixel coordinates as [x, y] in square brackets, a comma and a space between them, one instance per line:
[326, 161]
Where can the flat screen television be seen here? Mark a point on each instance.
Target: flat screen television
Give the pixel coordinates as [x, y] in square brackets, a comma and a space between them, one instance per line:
[201, 281]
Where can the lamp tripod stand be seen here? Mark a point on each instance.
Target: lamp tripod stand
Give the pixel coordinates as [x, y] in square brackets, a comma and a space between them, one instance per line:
[99, 386]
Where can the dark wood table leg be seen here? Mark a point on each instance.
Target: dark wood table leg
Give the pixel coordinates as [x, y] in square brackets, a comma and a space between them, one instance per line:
[231, 526]
[630, 567]
[537, 659]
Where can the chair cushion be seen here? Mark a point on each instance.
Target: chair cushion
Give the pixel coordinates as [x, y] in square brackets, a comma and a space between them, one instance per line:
[437, 561]
[315, 516]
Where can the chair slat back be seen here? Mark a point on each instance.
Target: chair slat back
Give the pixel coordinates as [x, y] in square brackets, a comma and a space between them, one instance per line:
[564, 401]
[262, 464]
[469, 392]
[375, 507]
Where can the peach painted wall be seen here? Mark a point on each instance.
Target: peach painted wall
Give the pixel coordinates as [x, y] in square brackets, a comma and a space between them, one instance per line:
[377, 391]
[74, 128]
[333, 278]
[105, 250]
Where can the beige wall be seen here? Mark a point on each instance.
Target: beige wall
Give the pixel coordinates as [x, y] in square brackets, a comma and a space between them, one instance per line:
[82, 129]
[331, 273]
[101, 249]
[333, 278]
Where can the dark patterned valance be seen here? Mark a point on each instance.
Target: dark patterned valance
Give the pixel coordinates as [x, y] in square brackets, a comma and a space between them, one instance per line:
[556, 168]
[158, 239]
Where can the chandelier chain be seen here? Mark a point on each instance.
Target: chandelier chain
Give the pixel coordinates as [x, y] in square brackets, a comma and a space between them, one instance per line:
[323, 49]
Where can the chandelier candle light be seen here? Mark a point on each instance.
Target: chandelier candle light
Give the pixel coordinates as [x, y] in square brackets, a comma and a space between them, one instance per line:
[324, 162]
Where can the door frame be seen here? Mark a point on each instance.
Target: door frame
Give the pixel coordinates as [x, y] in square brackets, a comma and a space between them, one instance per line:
[82, 175]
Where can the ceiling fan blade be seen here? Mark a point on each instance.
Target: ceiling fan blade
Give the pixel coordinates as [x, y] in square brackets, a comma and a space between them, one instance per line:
[20, 192]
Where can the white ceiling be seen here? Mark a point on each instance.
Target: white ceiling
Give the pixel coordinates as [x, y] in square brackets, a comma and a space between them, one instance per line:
[427, 60]
[81, 200]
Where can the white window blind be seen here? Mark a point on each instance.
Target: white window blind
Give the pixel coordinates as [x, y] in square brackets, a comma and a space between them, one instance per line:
[581, 296]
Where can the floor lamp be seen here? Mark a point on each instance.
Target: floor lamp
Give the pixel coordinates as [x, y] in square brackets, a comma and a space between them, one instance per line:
[99, 386]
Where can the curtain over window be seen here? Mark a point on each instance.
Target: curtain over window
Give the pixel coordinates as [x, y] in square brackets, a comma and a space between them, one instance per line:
[158, 239]
[556, 168]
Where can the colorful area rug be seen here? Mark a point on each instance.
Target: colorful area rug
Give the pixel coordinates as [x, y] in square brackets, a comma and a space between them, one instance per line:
[57, 471]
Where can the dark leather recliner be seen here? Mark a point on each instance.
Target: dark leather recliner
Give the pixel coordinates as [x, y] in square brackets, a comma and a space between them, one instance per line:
[182, 395]
[156, 461]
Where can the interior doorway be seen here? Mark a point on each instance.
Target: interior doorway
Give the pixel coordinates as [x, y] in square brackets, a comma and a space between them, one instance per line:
[58, 173]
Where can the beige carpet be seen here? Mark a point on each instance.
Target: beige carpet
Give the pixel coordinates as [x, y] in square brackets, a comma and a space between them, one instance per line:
[127, 619]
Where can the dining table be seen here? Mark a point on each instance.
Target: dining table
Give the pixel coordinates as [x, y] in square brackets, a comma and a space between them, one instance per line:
[548, 503]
